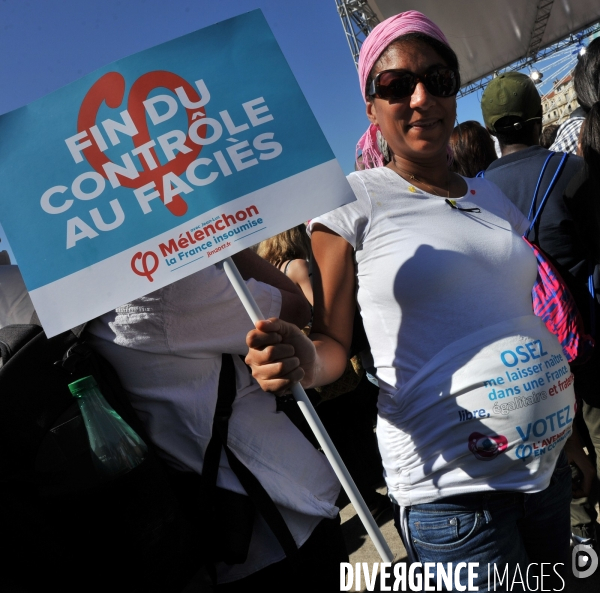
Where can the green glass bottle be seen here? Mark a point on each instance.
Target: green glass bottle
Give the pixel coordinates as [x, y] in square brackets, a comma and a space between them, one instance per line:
[116, 448]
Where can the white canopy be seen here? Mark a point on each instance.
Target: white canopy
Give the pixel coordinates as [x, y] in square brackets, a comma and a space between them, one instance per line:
[491, 34]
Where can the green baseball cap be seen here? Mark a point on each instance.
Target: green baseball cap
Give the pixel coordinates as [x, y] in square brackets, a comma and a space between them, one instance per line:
[511, 93]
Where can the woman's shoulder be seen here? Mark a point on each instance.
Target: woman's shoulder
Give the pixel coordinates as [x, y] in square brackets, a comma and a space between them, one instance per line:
[482, 187]
[351, 220]
[486, 194]
[478, 181]
[297, 266]
[370, 175]
[491, 198]
[378, 181]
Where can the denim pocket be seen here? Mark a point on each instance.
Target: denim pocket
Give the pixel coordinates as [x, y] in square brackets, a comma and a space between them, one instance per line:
[443, 530]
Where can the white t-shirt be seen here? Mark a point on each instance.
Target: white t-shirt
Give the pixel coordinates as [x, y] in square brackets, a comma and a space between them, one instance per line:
[166, 348]
[428, 274]
[433, 280]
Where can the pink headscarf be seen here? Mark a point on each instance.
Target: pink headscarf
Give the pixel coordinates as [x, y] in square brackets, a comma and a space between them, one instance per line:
[380, 37]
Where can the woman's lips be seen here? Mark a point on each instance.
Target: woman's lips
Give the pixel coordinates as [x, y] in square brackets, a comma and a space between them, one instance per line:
[424, 124]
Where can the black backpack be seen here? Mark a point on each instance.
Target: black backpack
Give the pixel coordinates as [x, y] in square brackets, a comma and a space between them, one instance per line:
[151, 530]
[62, 526]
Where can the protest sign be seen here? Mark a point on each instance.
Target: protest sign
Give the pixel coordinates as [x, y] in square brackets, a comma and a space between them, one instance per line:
[157, 166]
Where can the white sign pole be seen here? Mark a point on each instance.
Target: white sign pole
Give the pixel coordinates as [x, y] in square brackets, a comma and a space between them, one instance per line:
[316, 425]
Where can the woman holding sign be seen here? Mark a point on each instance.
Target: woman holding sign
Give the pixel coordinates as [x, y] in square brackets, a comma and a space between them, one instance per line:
[476, 401]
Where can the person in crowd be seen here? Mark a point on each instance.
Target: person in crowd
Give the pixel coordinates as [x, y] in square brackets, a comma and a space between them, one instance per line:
[548, 135]
[290, 252]
[15, 302]
[167, 348]
[583, 192]
[472, 149]
[524, 166]
[516, 123]
[567, 135]
[582, 198]
[443, 281]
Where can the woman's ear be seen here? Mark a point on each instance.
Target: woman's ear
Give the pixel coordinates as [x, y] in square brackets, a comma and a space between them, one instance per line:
[372, 112]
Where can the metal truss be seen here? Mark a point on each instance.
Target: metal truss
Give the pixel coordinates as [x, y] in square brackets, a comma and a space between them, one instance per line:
[573, 39]
[358, 20]
[539, 26]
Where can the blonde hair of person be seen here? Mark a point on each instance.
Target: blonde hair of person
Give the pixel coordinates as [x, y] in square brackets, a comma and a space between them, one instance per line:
[291, 244]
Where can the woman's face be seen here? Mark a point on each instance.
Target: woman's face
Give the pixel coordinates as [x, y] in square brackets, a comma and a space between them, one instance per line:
[418, 127]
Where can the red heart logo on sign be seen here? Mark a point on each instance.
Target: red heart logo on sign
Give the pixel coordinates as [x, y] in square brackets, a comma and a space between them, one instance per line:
[110, 89]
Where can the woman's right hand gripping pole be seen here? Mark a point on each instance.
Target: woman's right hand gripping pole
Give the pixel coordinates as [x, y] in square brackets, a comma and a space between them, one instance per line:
[280, 354]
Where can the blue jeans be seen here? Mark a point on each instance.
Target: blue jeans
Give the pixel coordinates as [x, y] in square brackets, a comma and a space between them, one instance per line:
[501, 528]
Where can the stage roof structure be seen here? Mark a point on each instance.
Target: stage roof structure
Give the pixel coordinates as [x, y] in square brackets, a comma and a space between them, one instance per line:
[487, 35]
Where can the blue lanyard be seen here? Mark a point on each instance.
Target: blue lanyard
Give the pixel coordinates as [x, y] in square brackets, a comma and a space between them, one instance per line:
[592, 290]
[550, 187]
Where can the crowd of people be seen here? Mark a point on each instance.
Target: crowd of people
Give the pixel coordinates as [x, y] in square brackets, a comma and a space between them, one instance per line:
[426, 283]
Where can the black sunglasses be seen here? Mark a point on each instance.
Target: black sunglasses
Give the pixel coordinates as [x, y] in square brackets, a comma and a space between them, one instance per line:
[440, 81]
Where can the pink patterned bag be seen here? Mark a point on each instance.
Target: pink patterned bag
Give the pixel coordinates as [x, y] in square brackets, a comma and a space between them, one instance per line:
[554, 304]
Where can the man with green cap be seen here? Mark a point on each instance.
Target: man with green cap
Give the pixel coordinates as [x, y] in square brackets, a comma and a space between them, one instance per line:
[512, 112]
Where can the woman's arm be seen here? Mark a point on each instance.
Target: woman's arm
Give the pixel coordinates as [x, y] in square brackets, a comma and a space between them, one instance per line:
[297, 272]
[281, 355]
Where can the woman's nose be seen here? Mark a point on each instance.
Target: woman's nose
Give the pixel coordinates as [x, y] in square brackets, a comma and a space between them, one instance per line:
[421, 96]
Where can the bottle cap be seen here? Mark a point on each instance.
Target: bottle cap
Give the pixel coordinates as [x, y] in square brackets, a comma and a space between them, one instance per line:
[78, 387]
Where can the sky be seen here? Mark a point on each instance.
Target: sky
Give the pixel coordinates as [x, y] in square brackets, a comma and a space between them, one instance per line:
[46, 44]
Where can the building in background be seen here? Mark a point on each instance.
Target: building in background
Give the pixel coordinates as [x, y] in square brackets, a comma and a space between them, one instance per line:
[560, 102]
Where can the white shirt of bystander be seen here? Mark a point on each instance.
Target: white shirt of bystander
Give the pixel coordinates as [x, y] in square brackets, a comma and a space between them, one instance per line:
[166, 348]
